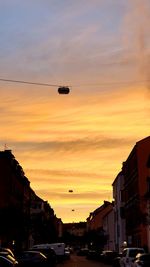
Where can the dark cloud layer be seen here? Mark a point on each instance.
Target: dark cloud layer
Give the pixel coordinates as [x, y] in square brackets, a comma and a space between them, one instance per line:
[86, 143]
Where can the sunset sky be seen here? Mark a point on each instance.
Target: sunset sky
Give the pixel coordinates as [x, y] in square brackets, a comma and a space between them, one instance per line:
[101, 49]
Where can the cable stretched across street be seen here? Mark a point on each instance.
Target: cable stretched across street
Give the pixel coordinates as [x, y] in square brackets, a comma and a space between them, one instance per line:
[61, 89]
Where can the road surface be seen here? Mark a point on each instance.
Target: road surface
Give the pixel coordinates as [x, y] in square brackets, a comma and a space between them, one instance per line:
[81, 261]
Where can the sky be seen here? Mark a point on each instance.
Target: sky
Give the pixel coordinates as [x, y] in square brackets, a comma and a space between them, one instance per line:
[101, 50]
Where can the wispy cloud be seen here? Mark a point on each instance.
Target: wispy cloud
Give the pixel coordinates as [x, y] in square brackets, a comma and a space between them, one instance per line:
[136, 36]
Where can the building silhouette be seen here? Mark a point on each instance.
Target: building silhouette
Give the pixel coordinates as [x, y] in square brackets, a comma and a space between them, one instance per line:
[25, 218]
[131, 191]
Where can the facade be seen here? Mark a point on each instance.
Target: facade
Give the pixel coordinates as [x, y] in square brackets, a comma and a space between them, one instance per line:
[42, 218]
[36, 218]
[119, 216]
[108, 227]
[14, 202]
[59, 227]
[25, 218]
[76, 229]
[136, 173]
[74, 234]
[95, 219]
[147, 196]
[97, 235]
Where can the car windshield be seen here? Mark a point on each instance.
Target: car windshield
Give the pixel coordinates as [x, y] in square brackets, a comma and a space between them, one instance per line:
[134, 252]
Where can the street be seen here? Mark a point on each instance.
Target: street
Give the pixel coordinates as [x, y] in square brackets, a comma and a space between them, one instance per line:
[81, 261]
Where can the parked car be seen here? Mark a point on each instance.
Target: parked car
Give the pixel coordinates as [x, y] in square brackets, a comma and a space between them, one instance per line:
[107, 256]
[8, 250]
[32, 259]
[7, 260]
[93, 254]
[142, 260]
[67, 253]
[49, 253]
[59, 249]
[116, 260]
[128, 255]
[82, 252]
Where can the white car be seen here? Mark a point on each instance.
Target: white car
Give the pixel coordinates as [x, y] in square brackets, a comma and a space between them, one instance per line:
[128, 255]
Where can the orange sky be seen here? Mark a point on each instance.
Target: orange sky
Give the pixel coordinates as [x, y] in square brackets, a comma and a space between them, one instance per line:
[76, 141]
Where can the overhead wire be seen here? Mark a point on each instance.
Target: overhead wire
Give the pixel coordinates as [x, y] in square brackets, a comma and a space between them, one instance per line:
[79, 85]
[28, 82]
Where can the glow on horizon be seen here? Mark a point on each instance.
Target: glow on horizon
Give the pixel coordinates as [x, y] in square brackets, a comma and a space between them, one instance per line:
[86, 154]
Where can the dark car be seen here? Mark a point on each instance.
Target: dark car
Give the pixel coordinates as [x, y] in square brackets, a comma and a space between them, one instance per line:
[82, 252]
[7, 260]
[67, 253]
[116, 260]
[49, 253]
[93, 254]
[8, 250]
[142, 260]
[32, 259]
[107, 256]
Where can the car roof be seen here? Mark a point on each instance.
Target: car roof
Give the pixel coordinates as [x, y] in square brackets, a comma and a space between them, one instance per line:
[33, 252]
[143, 255]
[133, 248]
[7, 250]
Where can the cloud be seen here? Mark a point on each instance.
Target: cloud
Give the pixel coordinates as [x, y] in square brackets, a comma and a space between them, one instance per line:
[56, 174]
[76, 145]
[136, 36]
[80, 197]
